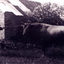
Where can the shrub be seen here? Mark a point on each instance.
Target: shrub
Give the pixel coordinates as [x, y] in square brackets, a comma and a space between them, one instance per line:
[47, 13]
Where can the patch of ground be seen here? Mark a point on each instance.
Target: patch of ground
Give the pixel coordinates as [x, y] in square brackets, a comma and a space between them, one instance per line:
[11, 54]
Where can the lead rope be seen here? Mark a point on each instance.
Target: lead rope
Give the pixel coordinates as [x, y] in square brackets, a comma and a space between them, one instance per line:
[10, 27]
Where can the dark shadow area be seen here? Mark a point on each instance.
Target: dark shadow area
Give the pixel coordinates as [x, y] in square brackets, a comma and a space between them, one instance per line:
[22, 52]
[55, 52]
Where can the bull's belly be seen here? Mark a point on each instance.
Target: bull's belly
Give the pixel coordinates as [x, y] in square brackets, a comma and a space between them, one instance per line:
[44, 38]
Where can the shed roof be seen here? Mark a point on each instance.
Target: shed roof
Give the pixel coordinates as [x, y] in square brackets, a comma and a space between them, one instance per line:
[18, 7]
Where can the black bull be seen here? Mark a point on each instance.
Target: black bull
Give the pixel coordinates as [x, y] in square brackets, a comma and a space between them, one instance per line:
[41, 34]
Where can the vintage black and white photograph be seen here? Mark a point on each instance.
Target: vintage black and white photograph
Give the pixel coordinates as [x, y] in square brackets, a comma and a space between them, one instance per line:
[31, 32]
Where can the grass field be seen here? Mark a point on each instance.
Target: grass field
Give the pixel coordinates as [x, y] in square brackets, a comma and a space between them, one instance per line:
[11, 54]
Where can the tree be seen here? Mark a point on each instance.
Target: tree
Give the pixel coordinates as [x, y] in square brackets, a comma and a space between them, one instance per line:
[47, 13]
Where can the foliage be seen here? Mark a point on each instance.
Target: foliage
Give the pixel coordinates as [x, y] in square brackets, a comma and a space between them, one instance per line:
[47, 13]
